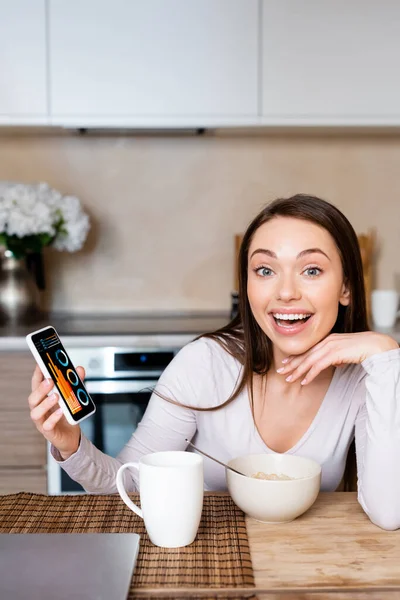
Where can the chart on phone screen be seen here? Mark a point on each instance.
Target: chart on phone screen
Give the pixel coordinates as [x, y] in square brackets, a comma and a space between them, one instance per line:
[61, 369]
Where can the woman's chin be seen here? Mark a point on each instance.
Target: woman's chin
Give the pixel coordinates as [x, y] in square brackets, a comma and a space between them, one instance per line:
[294, 348]
[295, 345]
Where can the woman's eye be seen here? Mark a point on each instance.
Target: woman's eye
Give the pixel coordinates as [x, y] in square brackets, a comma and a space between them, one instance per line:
[263, 272]
[313, 271]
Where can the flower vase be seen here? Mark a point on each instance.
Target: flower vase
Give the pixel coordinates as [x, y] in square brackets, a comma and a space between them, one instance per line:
[19, 294]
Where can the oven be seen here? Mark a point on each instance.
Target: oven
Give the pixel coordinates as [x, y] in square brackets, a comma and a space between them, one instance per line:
[120, 380]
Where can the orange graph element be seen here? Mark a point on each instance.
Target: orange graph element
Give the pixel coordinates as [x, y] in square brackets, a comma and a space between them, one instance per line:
[64, 387]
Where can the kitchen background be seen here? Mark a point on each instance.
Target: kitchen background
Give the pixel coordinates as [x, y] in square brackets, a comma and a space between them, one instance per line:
[164, 208]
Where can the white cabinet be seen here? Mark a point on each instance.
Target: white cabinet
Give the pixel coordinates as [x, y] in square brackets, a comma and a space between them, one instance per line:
[199, 63]
[23, 92]
[331, 62]
[154, 62]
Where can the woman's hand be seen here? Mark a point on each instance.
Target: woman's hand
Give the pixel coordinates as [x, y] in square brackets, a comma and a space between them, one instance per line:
[48, 416]
[337, 349]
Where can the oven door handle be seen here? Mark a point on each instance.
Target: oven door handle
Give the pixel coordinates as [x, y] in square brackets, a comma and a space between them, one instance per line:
[118, 386]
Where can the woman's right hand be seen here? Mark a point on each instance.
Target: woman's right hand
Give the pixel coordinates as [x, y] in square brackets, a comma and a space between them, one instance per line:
[48, 417]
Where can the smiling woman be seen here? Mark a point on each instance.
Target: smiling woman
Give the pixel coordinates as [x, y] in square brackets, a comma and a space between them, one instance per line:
[296, 372]
[295, 292]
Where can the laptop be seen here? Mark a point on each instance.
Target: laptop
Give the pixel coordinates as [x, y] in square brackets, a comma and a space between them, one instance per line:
[88, 566]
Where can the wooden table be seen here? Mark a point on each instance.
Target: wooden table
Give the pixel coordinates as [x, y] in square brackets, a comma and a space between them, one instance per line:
[333, 551]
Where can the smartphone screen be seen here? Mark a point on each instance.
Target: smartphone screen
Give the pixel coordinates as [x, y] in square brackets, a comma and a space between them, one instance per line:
[63, 373]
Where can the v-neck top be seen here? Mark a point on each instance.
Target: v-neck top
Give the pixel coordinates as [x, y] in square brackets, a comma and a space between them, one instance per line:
[318, 416]
[362, 401]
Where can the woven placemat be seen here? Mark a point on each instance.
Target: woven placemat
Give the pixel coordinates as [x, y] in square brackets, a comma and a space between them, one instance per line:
[218, 558]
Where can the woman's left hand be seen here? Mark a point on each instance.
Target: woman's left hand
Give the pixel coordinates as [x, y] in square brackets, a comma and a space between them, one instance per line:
[336, 349]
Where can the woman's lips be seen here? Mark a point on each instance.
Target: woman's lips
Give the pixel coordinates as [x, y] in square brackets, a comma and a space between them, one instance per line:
[294, 328]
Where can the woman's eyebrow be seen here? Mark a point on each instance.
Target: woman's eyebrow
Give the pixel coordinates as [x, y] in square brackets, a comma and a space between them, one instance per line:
[300, 255]
[312, 251]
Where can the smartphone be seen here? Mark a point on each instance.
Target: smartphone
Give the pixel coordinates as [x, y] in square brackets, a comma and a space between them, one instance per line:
[55, 363]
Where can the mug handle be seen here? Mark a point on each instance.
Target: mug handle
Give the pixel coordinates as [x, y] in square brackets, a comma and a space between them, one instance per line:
[121, 490]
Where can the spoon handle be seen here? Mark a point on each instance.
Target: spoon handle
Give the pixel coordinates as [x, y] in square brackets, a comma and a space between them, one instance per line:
[214, 459]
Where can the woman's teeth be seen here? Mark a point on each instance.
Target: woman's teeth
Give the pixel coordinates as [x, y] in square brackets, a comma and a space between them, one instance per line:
[287, 320]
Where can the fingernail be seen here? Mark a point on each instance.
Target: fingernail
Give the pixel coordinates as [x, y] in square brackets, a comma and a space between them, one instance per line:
[54, 396]
[303, 382]
[49, 381]
[285, 360]
[289, 378]
[58, 411]
[280, 370]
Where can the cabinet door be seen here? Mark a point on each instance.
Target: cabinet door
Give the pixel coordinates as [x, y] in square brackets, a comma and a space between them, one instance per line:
[153, 61]
[23, 480]
[21, 445]
[331, 62]
[23, 94]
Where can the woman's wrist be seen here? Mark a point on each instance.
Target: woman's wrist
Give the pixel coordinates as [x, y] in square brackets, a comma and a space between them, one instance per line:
[65, 454]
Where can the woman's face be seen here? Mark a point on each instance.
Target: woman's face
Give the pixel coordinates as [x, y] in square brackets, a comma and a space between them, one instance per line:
[295, 283]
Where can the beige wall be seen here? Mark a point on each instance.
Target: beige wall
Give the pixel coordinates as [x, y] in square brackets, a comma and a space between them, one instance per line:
[164, 209]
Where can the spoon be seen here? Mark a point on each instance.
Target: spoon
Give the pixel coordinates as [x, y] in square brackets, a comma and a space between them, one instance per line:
[214, 459]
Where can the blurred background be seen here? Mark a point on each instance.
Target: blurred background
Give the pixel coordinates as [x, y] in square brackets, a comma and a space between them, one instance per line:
[175, 121]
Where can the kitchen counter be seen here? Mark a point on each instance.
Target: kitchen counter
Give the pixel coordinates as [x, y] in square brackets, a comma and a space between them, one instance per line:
[117, 330]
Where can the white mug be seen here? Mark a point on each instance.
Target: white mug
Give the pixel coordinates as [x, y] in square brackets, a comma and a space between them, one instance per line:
[171, 496]
[384, 306]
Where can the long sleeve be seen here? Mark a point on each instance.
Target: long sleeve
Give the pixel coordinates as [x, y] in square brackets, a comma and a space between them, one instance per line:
[164, 425]
[94, 470]
[378, 440]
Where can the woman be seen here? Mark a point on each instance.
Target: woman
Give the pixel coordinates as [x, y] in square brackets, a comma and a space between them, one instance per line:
[297, 371]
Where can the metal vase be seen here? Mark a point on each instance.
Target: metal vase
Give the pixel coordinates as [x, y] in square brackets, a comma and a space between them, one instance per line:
[19, 295]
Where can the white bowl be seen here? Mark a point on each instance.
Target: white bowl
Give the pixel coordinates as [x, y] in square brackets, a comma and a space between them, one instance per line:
[272, 501]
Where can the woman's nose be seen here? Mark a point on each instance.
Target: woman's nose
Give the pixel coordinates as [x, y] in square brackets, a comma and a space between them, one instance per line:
[287, 289]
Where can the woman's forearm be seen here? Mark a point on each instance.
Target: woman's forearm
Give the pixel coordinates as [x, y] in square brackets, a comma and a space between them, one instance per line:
[94, 470]
[378, 442]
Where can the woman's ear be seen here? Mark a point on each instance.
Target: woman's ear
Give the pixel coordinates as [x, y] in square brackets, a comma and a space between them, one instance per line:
[344, 299]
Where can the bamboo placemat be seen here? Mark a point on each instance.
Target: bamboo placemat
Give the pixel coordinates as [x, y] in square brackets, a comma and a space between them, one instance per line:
[218, 558]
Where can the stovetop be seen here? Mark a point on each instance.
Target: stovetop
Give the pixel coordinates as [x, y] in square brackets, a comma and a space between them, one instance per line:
[121, 324]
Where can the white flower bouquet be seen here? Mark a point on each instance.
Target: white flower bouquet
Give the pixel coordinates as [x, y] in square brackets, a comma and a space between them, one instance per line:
[33, 216]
